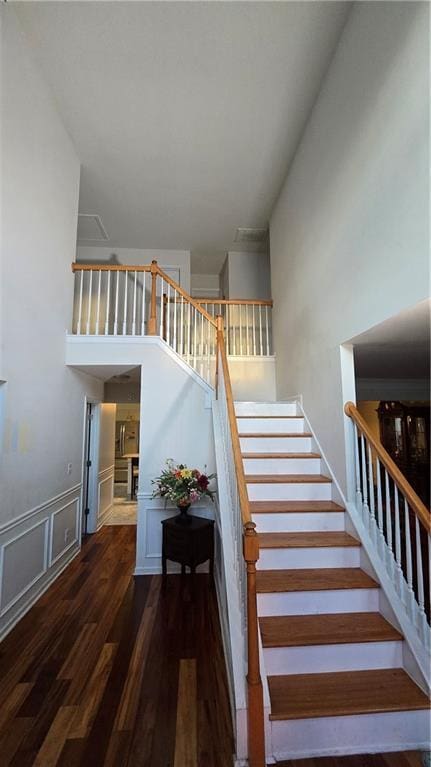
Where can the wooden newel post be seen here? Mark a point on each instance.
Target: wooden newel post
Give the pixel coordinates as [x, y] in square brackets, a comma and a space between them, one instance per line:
[219, 321]
[152, 322]
[256, 725]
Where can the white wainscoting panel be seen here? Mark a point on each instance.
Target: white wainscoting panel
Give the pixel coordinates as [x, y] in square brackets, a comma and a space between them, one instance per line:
[34, 548]
[105, 494]
[151, 512]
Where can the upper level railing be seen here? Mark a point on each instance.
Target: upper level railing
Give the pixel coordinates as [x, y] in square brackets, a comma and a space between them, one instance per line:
[129, 301]
[248, 552]
[142, 300]
[247, 324]
[398, 522]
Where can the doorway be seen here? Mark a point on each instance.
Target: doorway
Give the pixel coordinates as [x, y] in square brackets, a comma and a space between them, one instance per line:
[124, 391]
[88, 468]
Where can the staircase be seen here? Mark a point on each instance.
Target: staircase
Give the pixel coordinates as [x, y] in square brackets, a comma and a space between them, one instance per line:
[336, 668]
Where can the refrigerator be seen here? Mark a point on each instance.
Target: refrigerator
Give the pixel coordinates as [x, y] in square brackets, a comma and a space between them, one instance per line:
[126, 441]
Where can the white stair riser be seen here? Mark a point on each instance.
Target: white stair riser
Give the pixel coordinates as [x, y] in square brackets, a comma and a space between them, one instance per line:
[361, 734]
[293, 559]
[289, 491]
[318, 659]
[282, 465]
[318, 602]
[270, 425]
[266, 408]
[275, 444]
[310, 522]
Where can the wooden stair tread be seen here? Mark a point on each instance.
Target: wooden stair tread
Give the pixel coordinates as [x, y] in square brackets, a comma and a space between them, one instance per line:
[262, 479]
[293, 507]
[313, 579]
[334, 628]
[281, 455]
[344, 693]
[306, 540]
[272, 435]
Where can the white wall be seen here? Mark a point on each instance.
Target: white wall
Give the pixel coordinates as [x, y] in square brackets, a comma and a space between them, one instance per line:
[176, 422]
[248, 275]
[41, 457]
[349, 233]
[207, 285]
[166, 259]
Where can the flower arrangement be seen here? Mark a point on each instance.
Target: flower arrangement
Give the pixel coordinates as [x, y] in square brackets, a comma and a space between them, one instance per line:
[181, 485]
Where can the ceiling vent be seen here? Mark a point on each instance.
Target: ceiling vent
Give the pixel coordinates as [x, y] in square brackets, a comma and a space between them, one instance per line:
[244, 234]
[90, 228]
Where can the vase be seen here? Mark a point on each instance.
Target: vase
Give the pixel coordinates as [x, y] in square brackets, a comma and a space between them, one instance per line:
[183, 517]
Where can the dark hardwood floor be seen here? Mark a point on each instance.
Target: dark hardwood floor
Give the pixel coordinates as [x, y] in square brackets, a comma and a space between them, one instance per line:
[108, 669]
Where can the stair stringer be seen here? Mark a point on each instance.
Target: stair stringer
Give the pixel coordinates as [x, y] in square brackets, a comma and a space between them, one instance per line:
[416, 660]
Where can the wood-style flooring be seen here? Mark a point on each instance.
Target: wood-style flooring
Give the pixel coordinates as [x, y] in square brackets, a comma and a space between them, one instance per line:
[108, 669]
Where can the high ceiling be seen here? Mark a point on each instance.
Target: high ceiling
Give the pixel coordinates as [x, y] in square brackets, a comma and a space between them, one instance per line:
[185, 115]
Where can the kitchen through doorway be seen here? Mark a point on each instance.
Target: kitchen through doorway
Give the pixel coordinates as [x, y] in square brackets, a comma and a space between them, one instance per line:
[124, 391]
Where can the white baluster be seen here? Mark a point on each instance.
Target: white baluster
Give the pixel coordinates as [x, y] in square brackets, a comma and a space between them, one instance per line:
[99, 287]
[357, 471]
[209, 348]
[108, 300]
[390, 560]
[134, 305]
[90, 287]
[267, 331]
[371, 492]
[260, 331]
[234, 328]
[247, 328]
[117, 285]
[409, 564]
[399, 571]
[78, 327]
[162, 306]
[202, 346]
[365, 509]
[126, 277]
[182, 328]
[254, 334]
[188, 331]
[423, 626]
[168, 314]
[195, 327]
[143, 305]
[241, 351]
[380, 509]
[175, 321]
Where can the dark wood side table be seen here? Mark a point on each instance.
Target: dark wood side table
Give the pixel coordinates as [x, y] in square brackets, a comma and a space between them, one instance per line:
[190, 543]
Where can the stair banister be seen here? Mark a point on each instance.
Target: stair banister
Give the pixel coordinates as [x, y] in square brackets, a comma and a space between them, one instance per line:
[250, 541]
[398, 477]
[396, 519]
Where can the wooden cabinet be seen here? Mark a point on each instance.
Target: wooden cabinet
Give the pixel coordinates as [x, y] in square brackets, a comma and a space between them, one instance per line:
[405, 434]
[188, 541]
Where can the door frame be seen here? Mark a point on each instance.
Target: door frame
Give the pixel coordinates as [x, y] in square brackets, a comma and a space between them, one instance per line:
[90, 448]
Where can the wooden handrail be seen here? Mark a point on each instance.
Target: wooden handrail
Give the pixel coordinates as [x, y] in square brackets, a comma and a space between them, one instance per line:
[77, 267]
[237, 301]
[256, 722]
[398, 477]
[236, 447]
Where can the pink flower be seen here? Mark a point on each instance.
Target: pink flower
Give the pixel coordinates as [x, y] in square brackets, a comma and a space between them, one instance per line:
[194, 496]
